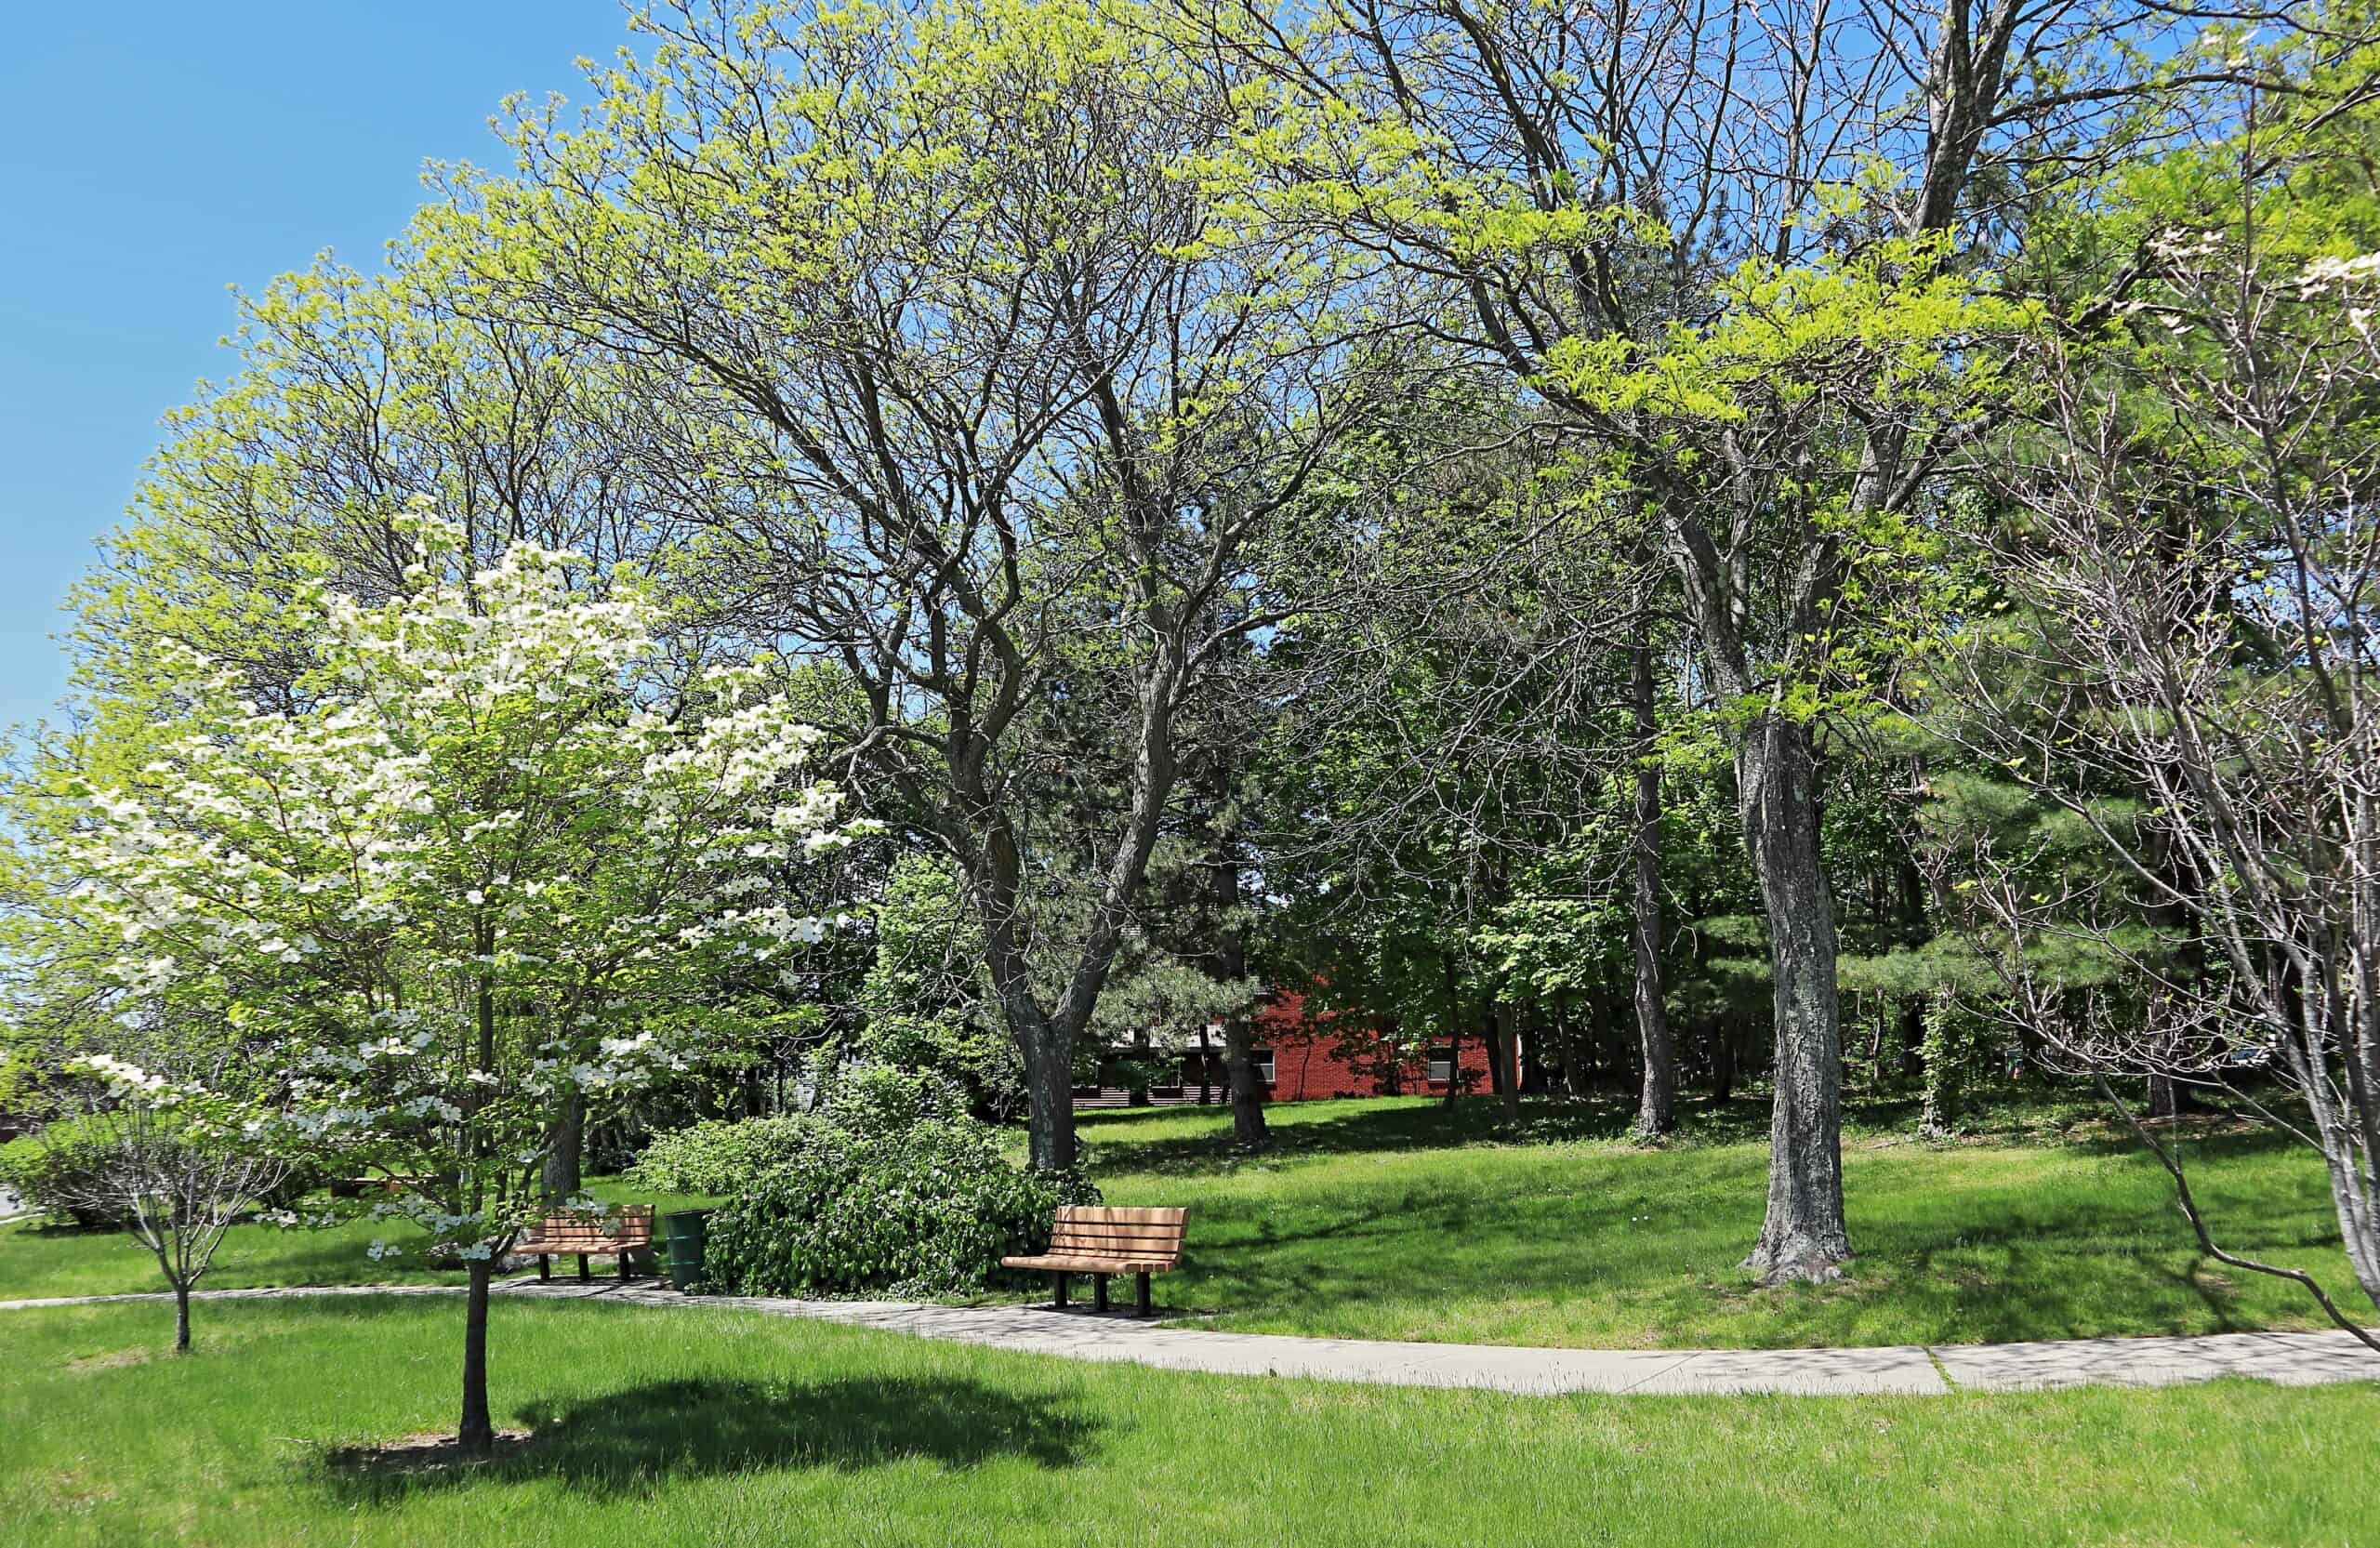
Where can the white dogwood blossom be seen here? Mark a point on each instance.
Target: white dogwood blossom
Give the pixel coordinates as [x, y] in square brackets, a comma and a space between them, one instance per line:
[500, 854]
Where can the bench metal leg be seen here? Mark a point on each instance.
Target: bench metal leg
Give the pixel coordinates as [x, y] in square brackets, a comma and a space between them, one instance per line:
[623, 1268]
[1058, 1302]
[1144, 1295]
[1099, 1292]
[545, 1268]
[582, 1266]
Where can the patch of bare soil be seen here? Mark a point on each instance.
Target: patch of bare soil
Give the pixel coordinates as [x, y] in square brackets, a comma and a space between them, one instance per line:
[430, 1451]
[115, 1359]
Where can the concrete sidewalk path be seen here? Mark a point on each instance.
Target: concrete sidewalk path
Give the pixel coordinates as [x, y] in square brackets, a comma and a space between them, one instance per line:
[2292, 1359]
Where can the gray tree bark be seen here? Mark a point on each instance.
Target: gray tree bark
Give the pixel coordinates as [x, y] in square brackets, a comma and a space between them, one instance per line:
[476, 1436]
[1656, 1104]
[1247, 1125]
[1805, 1236]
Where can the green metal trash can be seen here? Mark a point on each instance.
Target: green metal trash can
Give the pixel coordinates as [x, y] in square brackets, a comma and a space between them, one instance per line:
[682, 1236]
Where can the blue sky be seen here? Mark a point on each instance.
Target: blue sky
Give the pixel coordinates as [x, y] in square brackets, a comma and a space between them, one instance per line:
[151, 156]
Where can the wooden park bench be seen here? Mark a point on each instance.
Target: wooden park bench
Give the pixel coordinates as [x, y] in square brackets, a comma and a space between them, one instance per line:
[1098, 1241]
[585, 1237]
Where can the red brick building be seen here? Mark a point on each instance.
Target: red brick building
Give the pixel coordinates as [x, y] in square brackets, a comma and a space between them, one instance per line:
[1306, 1055]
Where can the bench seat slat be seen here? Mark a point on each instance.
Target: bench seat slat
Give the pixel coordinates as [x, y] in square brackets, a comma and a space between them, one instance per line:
[1070, 1264]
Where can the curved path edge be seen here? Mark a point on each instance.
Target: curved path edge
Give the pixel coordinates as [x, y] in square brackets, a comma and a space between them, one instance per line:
[2290, 1359]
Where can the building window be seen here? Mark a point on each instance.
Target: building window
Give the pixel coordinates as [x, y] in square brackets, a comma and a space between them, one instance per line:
[1441, 1064]
[1263, 1059]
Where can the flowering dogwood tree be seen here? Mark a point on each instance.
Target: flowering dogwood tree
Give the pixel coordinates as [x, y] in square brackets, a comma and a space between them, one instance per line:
[476, 875]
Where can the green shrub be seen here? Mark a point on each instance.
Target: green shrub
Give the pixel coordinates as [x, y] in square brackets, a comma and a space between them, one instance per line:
[925, 1210]
[717, 1157]
[872, 1101]
[52, 1166]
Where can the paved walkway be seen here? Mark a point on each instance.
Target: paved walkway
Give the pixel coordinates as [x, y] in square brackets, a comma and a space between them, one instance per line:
[2292, 1360]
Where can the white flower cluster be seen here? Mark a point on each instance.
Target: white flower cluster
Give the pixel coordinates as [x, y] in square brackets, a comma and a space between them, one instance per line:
[2324, 274]
[482, 811]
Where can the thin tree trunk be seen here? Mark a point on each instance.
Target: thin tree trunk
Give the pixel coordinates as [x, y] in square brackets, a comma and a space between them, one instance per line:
[1454, 1032]
[181, 1317]
[1804, 1236]
[477, 1436]
[1656, 1103]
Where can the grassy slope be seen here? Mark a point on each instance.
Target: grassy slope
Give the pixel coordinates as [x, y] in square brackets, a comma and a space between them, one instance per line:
[723, 1428]
[1387, 1219]
[1390, 1219]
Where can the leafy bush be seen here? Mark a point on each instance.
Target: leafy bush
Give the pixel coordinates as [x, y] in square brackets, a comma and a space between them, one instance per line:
[52, 1167]
[982, 1059]
[719, 1156]
[929, 1209]
[872, 1101]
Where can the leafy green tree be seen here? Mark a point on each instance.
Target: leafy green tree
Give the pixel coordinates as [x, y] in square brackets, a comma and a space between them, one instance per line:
[1750, 274]
[975, 378]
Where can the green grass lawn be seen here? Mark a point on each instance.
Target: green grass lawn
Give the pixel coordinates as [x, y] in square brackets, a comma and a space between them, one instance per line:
[41, 1259]
[718, 1427]
[1392, 1219]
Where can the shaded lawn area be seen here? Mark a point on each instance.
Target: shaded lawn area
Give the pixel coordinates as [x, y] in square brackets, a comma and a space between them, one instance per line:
[1390, 1218]
[38, 1259]
[720, 1427]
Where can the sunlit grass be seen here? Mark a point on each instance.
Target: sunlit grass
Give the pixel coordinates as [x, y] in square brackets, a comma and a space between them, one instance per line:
[725, 1428]
[1391, 1220]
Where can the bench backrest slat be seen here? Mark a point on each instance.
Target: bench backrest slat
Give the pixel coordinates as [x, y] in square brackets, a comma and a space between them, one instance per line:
[630, 1222]
[1101, 1231]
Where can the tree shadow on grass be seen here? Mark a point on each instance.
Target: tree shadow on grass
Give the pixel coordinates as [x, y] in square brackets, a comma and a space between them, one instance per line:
[631, 1443]
[1368, 1129]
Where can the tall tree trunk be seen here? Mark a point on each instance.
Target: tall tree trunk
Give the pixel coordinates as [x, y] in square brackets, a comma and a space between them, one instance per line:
[477, 1436]
[1454, 1032]
[1804, 1236]
[1248, 1129]
[1656, 1103]
[1723, 1063]
[1945, 1055]
[181, 1317]
[1505, 1048]
[566, 1151]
